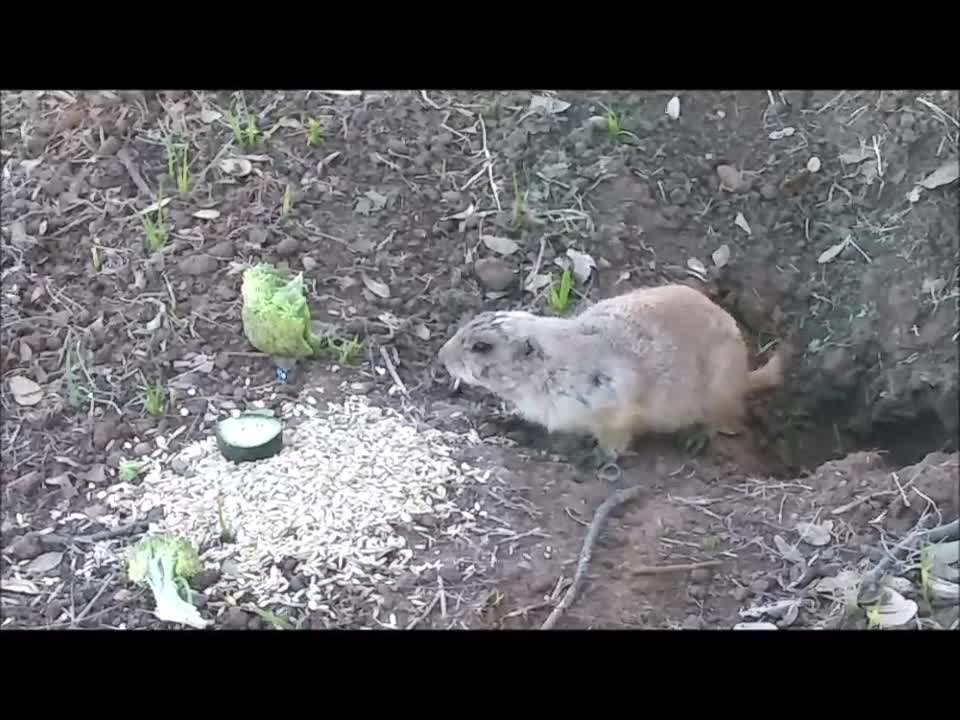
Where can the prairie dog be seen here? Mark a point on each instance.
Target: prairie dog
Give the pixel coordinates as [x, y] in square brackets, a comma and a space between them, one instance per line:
[660, 359]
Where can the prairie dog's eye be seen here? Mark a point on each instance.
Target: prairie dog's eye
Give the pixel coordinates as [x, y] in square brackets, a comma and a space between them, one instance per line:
[481, 347]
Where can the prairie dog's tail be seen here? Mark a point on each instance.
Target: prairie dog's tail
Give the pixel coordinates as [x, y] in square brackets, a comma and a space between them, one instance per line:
[767, 376]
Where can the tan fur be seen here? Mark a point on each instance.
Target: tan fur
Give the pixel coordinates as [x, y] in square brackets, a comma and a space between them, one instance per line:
[658, 359]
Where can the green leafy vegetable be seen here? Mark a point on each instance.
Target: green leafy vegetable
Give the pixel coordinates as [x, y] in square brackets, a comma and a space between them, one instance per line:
[164, 563]
[275, 314]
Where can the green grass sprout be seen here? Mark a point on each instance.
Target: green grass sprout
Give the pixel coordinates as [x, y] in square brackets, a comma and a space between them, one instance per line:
[560, 295]
[244, 127]
[155, 399]
[130, 470]
[347, 351]
[316, 133]
[178, 166]
[156, 229]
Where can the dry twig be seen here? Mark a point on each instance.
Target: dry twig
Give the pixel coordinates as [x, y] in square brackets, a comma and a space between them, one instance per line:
[618, 498]
[608, 505]
[870, 586]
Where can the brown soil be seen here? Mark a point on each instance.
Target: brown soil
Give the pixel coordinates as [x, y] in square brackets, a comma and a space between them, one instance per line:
[92, 314]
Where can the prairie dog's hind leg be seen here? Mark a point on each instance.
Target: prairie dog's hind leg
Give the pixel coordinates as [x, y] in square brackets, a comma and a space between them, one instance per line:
[696, 439]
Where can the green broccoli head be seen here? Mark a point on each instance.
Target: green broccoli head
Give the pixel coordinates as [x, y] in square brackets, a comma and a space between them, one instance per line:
[275, 314]
[164, 563]
[174, 552]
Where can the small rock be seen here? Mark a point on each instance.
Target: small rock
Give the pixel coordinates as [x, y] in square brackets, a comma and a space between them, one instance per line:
[27, 483]
[542, 586]
[661, 221]
[698, 592]
[53, 611]
[692, 622]
[308, 263]
[908, 136]
[679, 196]
[450, 574]
[70, 119]
[835, 207]
[234, 619]
[198, 265]
[834, 361]
[643, 126]
[426, 520]
[729, 177]
[759, 587]
[27, 547]
[701, 575]
[55, 186]
[768, 191]
[223, 250]
[142, 449]
[36, 143]
[205, 579]
[288, 246]
[298, 583]
[109, 147]
[907, 120]
[741, 594]
[406, 581]
[494, 274]
[95, 511]
[115, 458]
[257, 237]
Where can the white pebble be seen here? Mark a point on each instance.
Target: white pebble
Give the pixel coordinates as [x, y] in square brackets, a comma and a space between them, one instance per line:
[191, 392]
[184, 412]
[813, 164]
[673, 108]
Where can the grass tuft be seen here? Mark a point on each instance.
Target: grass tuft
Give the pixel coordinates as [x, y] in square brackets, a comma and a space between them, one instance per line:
[178, 166]
[155, 399]
[156, 228]
[244, 127]
[316, 132]
[560, 297]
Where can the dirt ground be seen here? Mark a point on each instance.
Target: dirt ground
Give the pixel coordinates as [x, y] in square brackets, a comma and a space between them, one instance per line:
[381, 200]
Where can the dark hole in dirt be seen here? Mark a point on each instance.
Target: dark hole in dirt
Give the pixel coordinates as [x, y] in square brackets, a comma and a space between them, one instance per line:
[827, 435]
[908, 442]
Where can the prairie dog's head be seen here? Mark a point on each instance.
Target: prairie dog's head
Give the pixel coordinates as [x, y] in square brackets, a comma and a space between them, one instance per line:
[494, 350]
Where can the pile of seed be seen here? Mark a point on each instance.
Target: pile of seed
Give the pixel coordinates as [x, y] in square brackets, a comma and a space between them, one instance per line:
[329, 503]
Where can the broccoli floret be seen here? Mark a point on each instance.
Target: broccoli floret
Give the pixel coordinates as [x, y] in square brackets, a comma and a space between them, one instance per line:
[164, 563]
